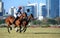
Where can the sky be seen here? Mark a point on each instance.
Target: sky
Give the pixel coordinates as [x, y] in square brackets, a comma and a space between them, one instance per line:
[16, 3]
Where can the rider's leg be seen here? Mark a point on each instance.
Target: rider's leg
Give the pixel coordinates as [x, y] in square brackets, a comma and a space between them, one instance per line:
[15, 19]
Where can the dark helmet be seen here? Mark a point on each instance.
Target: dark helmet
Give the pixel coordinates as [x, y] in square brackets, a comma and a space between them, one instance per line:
[20, 7]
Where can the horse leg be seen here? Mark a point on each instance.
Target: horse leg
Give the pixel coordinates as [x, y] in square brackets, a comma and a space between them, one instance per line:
[20, 29]
[24, 29]
[17, 29]
[8, 29]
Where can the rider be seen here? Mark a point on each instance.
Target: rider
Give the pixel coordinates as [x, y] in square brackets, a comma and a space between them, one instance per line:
[18, 13]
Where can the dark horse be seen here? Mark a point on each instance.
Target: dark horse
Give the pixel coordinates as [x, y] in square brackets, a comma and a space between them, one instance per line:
[23, 20]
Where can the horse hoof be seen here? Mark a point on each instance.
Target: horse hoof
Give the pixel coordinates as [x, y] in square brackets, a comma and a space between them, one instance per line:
[9, 32]
[20, 32]
[24, 32]
[17, 30]
[10, 28]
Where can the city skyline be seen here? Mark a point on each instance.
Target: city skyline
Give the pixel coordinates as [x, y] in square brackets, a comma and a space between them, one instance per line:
[45, 8]
[16, 3]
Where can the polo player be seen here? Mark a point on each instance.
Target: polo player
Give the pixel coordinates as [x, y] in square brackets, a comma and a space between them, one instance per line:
[18, 14]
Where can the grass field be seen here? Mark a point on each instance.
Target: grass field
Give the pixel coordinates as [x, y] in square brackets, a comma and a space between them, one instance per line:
[32, 33]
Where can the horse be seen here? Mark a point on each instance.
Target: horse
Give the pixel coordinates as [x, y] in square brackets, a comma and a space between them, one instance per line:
[25, 21]
[9, 21]
[18, 22]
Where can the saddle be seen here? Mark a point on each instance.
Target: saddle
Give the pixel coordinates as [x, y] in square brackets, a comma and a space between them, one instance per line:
[15, 20]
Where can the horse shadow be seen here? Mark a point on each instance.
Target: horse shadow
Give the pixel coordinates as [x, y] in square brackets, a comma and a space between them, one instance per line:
[41, 33]
[45, 33]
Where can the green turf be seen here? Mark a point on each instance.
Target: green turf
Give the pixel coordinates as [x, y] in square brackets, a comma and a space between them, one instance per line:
[32, 33]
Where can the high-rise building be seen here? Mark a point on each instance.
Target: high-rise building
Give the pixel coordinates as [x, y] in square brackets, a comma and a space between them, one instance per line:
[44, 11]
[12, 11]
[59, 8]
[1, 8]
[52, 8]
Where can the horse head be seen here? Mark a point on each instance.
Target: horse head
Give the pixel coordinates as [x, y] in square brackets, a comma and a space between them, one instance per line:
[30, 17]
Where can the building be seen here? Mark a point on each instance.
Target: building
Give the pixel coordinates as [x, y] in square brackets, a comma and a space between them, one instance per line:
[44, 11]
[12, 11]
[1, 8]
[4, 13]
[59, 8]
[52, 8]
[34, 9]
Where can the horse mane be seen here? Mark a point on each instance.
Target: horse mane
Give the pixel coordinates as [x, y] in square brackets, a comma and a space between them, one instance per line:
[25, 13]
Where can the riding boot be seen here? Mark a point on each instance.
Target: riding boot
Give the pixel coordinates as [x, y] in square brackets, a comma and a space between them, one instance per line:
[15, 19]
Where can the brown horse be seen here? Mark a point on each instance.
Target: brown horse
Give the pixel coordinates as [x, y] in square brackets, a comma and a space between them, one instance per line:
[9, 21]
